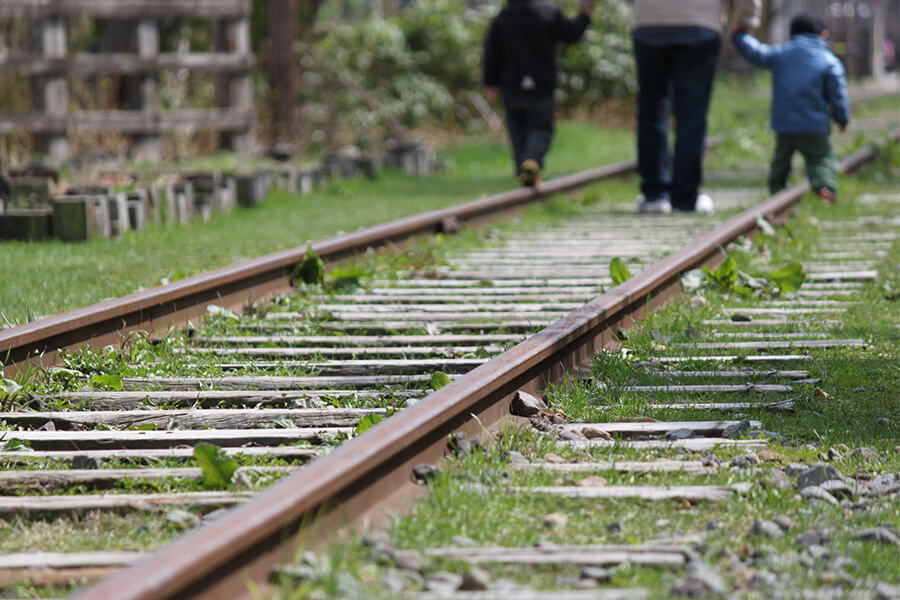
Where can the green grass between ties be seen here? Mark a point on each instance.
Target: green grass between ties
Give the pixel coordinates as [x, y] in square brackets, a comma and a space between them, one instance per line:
[43, 278]
[468, 497]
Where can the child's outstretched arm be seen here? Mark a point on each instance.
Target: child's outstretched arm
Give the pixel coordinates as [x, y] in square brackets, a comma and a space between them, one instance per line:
[836, 94]
[751, 48]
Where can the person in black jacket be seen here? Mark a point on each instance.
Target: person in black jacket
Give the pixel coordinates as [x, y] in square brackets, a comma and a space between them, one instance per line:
[520, 60]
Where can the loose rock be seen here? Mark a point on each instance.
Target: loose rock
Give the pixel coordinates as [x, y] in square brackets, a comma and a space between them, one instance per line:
[884, 421]
[767, 456]
[741, 318]
[886, 591]
[735, 430]
[866, 454]
[750, 459]
[882, 535]
[814, 492]
[813, 537]
[700, 582]
[424, 472]
[463, 541]
[85, 462]
[784, 521]
[411, 562]
[571, 436]
[526, 405]
[766, 528]
[794, 469]
[680, 434]
[816, 474]
[614, 527]
[837, 488]
[475, 579]
[514, 457]
[776, 480]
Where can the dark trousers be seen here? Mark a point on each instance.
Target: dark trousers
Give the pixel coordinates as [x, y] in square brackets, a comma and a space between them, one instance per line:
[821, 165]
[529, 119]
[680, 75]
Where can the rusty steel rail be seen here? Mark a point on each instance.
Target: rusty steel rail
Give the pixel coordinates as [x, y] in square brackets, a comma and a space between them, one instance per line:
[174, 304]
[370, 477]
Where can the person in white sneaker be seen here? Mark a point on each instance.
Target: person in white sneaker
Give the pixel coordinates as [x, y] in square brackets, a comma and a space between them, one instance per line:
[676, 47]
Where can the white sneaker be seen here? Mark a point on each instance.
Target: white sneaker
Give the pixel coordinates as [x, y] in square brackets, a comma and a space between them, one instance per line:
[704, 205]
[660, 206]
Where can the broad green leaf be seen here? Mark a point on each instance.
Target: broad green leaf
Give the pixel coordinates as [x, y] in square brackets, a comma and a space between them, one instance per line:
[725, 274]
[8, 387]
[788, 278]
[110, 382]
[367, 422]
[218, 468]
[439, 379]
[311, 270]
[618, 271]
[16, 445]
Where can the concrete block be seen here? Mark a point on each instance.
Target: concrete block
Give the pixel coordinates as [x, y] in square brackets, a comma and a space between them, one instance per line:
[73, 218]
[25, 223]
[305, 183]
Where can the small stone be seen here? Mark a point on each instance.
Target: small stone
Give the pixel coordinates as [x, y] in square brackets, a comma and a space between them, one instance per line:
[776, 480]
[882, 535]
[766, 528]
[514, 457]
[660, 523]
[424, 472]
[680, 434]
[814, 492]
[571, 436]
[550, 457]
[784, 522]
[442, 581]
[767, 456]
[596, 573]
[394, 581]
[462, 445]
[593, 432]
[818, 552]
[85, 462]
[834, 455]
[586, 584]
[884, 422]
[837, 488]
[699, 582]
[409, 561]
[749, 459]
[48, 426]
[816, 474]
[883, 485]
[614, 527]
[735, 430]
[713, 525]
[741, 318]
[763, 579]
[794, 469]
[555, 520]
[526, 405]
[859, 389]
[886, 591]
[475, 579]
[813, 537]
[698, 302]
[865, 454]
[593, 481]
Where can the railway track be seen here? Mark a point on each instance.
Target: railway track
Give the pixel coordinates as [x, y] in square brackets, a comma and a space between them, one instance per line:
[300, 384]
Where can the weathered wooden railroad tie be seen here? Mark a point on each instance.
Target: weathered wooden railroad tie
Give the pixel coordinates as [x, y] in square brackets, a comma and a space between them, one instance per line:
[280, 395]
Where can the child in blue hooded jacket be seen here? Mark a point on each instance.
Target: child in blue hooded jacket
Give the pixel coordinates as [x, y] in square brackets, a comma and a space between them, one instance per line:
[809, 89]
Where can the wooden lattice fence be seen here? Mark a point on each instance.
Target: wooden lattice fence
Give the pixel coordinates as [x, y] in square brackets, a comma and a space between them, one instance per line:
[51, 119]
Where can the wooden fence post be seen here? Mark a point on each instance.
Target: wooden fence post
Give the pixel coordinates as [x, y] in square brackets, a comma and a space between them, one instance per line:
[234, 36]
[282, 71]
[147, 146]
[52, 93]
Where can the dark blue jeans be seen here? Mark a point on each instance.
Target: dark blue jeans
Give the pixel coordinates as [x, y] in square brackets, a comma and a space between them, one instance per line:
[680, 75]
[529, 119]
